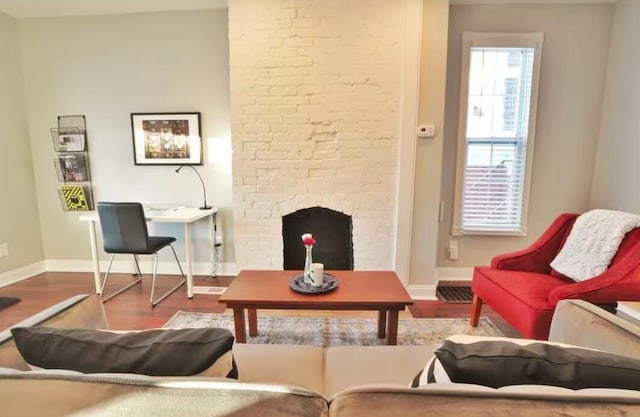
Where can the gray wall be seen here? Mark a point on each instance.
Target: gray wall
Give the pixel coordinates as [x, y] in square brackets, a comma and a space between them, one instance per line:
[19, 224]
[433, 75]
[574, 60]
[107, 67]
[617, 172]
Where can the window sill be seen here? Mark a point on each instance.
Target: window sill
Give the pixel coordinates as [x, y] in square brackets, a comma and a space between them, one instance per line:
[462, 232]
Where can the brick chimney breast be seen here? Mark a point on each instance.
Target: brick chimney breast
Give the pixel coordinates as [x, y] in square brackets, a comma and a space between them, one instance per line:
[315, 108]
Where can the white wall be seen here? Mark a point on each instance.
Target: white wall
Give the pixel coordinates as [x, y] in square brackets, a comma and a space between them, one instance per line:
[107, 67]
[617, 170]
[574, 60]
[19, 223]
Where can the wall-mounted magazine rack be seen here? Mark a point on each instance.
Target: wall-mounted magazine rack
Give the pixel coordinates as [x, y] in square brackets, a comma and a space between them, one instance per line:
[72, 163]
[72, 167]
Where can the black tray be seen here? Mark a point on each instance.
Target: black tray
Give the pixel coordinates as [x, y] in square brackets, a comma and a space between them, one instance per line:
[329, 283]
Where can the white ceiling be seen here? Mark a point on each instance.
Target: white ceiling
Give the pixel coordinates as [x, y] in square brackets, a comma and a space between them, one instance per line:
[51, 8]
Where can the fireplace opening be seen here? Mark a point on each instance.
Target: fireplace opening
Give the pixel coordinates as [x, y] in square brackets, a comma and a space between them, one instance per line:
[332, 231]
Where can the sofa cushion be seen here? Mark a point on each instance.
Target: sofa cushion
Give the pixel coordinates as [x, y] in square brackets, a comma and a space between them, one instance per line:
[301, 366]
[498, 362]
[142, 396]
[157, 352]
[349, 366]
[533, 289]
[472, 400]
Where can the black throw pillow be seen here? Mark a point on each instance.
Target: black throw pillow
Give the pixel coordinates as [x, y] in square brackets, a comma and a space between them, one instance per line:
[159, 352]
[499, 362]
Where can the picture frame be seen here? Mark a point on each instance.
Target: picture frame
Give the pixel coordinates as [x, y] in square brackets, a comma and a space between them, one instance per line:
[166, 138]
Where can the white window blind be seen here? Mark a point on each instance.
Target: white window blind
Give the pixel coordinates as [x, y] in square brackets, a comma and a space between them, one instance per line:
[495, 144]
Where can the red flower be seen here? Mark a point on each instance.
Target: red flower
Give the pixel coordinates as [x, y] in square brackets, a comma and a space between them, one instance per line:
[308, 240]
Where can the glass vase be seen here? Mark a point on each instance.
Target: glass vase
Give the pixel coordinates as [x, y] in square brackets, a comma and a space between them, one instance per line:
[307, 265]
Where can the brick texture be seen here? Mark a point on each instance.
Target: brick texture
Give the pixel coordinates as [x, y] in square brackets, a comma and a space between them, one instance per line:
[315, 107]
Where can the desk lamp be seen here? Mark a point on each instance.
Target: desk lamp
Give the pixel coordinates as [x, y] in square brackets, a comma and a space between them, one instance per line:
[204, 189]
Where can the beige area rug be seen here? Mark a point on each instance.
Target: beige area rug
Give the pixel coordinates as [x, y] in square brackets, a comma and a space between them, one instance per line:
[337, 331]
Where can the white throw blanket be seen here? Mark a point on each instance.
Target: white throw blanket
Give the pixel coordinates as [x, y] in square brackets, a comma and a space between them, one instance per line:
[593, 242]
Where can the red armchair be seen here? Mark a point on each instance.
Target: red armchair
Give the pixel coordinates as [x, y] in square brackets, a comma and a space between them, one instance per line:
[524, 290]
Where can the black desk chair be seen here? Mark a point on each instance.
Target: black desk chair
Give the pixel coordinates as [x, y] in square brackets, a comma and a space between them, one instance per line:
[124, 230]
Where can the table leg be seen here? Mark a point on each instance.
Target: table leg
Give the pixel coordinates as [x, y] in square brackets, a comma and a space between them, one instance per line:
[94, 256]
[238, 322]
[212, 243]
[392, 329]
[382, 323]
[253, 322]
[187, 250]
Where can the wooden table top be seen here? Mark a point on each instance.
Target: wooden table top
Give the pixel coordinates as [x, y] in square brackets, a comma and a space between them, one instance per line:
[355, 289]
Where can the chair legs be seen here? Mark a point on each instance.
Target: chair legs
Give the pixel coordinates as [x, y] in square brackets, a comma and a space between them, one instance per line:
[475, 310]
[139, 279]
[106, 278]
[153, 282]
[135, 259]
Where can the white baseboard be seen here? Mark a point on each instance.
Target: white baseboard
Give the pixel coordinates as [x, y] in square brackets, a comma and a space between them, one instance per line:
[428, 292]
[422, 292]
[127, 266]
[454, 274]
[417, 292]
[22, 273]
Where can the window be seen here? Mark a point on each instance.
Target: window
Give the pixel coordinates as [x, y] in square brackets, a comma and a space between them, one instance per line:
[498, 96]
[509, 104]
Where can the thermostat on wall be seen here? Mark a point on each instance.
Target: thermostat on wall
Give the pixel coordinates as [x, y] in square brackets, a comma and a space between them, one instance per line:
[427, 131]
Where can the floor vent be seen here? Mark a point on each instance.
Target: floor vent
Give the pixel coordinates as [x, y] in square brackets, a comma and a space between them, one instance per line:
[208, 290]
[454, 294]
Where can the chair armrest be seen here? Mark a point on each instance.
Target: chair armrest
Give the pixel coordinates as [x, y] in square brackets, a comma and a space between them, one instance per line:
[538, 256]
[82, 311]
[577, 322]
[43, 315]
[619, 283]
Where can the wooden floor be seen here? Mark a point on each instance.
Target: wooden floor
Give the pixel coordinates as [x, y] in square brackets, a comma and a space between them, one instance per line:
[131, 309]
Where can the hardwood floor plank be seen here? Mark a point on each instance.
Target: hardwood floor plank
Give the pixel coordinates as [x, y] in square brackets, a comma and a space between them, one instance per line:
[131, 309]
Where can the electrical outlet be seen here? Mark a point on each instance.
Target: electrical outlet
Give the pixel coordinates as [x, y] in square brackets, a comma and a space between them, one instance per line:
[453, 250]
[4, 250]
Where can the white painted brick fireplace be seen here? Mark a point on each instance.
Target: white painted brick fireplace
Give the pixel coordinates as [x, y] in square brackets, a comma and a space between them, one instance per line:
[316, 92]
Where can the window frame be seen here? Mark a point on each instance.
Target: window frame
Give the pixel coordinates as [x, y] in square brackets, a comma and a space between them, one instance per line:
[495, 40]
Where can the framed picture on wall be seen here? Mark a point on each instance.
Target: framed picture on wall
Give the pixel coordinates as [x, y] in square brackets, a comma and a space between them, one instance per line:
[166, 138]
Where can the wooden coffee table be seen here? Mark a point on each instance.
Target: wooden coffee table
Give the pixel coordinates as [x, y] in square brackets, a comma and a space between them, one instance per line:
[380, 291]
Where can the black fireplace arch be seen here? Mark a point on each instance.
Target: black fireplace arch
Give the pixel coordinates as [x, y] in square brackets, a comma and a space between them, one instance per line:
[332, 230]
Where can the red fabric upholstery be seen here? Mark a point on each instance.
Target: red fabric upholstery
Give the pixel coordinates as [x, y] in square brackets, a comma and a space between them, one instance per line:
[523, 289]
[538, 256]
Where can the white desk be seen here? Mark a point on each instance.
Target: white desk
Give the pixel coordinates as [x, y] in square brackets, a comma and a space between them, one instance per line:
[184, 215]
